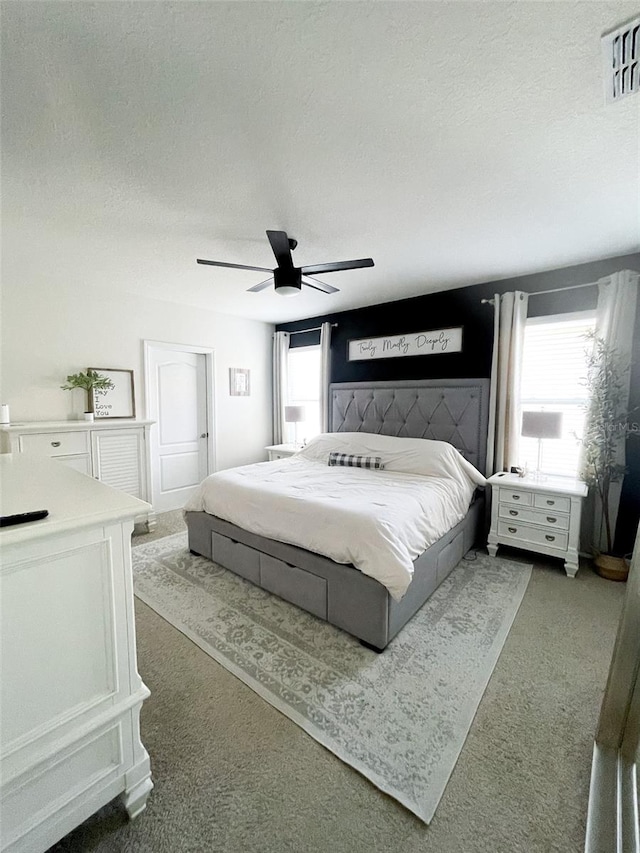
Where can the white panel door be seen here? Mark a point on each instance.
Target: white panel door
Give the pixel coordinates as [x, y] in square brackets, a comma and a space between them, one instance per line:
[178, 404]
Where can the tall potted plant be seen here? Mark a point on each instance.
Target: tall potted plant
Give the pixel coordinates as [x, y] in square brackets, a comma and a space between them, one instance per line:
[90, 381]
[607, 426]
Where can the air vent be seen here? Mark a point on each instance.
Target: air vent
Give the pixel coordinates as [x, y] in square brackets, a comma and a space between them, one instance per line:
[621, 53]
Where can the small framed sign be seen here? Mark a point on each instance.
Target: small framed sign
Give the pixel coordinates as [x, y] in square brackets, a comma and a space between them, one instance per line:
[116, 402]
[433, 342]
[239, 382]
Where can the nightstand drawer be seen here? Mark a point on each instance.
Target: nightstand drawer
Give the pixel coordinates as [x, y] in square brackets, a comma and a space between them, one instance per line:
[55, 443]
[544, 519]
[516, 496]
[518, 532]
[281, 451]
[558, 503]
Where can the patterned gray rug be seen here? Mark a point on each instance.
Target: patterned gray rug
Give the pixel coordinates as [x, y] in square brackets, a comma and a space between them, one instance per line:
[401, 717]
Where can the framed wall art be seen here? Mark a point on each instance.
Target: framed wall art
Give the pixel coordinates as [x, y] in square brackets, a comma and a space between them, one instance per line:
[239, 382]
[119, 401]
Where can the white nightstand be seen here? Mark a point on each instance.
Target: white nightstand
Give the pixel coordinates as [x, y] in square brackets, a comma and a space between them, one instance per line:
[542, 516]
[281, 451]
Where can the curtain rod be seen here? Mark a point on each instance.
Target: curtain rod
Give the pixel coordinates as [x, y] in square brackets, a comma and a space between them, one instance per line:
[315, 329]
[554, 290]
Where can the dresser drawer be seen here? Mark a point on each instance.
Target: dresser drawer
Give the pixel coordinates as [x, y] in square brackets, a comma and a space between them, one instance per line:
[78, 463]
[516, 496]
[535, 516]
[518, 532]
[55, 443]
[558, 503]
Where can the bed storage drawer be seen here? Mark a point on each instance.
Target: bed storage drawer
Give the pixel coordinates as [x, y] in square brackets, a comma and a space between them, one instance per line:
[235, 556]
[295, 585]
[449, 557]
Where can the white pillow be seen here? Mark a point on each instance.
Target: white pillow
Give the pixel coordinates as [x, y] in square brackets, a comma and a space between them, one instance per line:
[405, 455]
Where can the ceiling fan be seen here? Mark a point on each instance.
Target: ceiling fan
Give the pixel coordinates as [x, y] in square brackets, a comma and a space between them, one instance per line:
[287, 278]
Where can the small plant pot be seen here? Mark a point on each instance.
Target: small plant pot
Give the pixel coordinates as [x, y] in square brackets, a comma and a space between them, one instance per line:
[88, 416]
[612, 568]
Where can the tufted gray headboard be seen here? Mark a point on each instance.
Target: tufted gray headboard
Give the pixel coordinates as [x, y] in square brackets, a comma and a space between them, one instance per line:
[453, 410]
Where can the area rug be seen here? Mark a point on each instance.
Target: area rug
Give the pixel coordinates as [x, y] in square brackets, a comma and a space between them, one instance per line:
[401, 717]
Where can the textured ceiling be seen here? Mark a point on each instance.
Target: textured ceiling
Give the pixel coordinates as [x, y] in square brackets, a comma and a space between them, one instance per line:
[453, 142]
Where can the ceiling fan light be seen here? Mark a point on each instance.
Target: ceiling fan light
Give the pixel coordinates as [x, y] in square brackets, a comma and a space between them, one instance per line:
[287, 290]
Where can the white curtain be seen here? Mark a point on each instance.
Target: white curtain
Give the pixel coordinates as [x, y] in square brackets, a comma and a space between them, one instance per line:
[510, 315]
[325, 375]
[615, 319]
[280, 382]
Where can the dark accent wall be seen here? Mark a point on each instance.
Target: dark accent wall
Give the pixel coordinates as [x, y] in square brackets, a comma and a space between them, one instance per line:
[463, 307]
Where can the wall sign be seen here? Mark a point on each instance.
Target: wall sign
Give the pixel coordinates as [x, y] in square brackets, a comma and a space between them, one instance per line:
[239, 382]
[433, 342]
[119, 401]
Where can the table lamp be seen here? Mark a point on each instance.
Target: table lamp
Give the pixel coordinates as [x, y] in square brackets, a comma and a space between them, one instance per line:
[294, 415]
[541, 425]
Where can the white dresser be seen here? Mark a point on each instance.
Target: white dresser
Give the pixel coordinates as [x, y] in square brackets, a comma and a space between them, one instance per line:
[538, 515]
[113, 451]
[71, 693]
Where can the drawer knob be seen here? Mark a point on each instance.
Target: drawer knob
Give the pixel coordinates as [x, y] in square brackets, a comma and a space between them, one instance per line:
[513, 530]
[550, 503]
[550, 538]
[56, 443]
[551, 519]
[513, 512]
[516, 497]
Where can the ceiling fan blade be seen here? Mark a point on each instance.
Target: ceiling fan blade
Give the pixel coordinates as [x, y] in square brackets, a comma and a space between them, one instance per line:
[319, 285]
[232, 266]
[338, 265]
[262, 286]
[280, 245]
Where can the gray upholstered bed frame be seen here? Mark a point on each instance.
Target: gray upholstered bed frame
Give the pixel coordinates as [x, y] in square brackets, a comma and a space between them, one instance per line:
[453, 410]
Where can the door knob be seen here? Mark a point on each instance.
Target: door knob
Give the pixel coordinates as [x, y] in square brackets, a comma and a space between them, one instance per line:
[204, 435]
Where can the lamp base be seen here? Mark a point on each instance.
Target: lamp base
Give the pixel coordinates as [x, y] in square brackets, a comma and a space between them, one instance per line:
[537, 476]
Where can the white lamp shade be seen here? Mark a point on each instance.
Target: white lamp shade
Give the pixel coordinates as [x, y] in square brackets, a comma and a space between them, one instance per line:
[542, 424]
[293, 414]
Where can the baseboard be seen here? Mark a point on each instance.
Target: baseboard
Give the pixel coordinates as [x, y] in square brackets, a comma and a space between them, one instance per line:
[612, 818]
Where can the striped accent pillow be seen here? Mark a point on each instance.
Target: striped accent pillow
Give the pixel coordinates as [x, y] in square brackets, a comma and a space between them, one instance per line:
[351, 460]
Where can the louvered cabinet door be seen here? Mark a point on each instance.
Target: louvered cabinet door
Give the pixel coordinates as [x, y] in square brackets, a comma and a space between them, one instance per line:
[119, 460]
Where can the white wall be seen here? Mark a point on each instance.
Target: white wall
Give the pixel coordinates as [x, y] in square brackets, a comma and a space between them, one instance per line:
[50, 329]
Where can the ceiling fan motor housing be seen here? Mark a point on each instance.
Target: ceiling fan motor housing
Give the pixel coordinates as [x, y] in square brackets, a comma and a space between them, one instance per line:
[287, 280]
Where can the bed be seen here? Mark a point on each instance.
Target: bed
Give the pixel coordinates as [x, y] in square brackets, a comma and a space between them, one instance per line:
[452, 411]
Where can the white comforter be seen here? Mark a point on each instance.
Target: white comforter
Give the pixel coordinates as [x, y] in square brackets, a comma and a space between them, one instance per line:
[378, 520]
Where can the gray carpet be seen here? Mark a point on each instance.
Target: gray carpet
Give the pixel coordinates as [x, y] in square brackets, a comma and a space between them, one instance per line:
[232, 774]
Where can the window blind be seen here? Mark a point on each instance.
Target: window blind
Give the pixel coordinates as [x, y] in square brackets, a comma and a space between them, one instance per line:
[304, 388]
[553, 374]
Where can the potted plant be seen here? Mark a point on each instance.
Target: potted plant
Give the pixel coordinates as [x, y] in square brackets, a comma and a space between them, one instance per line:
[90, 381]
[607, 426]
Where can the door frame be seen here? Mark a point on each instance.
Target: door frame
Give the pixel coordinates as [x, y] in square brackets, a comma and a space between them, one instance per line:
[209, 357]
[612, 813]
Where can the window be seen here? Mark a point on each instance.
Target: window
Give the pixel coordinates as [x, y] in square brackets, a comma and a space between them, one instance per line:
[553, 371]
[304, 390]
